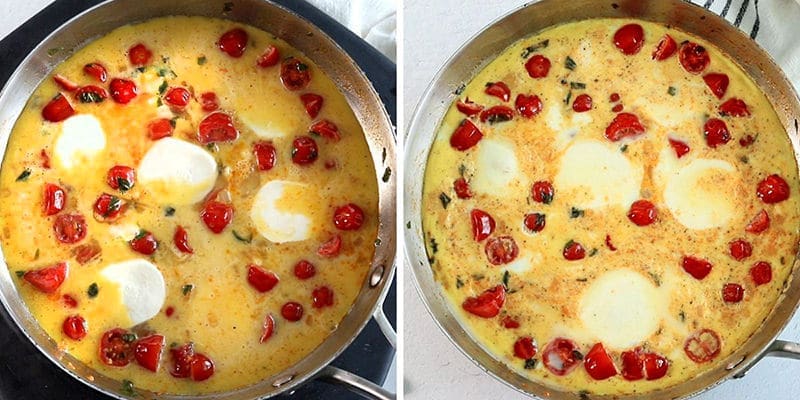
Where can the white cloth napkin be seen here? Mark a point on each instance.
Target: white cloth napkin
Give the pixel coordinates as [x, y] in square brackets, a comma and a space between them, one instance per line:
[373, 20]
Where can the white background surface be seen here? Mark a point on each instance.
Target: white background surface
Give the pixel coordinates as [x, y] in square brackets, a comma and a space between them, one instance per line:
[434, 368]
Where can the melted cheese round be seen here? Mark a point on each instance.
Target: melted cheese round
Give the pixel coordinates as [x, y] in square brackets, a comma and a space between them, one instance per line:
[285, 211]
[82, 139]
[177, 172]
[141, 286]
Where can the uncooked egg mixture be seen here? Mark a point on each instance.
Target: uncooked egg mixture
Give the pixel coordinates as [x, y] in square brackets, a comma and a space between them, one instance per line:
[611, 207]
[188, 205]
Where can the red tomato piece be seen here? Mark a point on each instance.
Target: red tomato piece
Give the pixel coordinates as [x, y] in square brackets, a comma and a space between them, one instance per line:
[482, 224]
[535, 222]
[561, 356]
[265, 155]
[147, 351]
[304, 150]
[528, 106]
[487, 304]
[58, 109]
[461, 187]
[169, 311]
[304, 270]
[582, 103]
[624, 125]
[121, 178]
[696, 267]
[740, 249]
[182, 357]
[573, 251]
[681, 148]
[313, 104]
[233, 42]
[292, 311]
[348, 217]
[629, 39]
[632, 364]
[96, 71]
[614, 97]
[181, 240]
[693, 57]
[86, 252]
[732, 292]
[497, 114]
[716, 132]
[465, 136]
[209, 101]
[747, 140]
[45, 159]
[468, 108]
[177, 97]
[609, 244]
[139, 55]
[65, 84]
[665, 48]
[642, 213]
[269, 328]
[525, 348]
[321, 296]
[326, 129]
[542, 192]
[598, 363]
[91, 94]
[702, 345]
[510, 323]
[55, 199]
[331, 248]
[735, 108]
[216, 215]
[538, 66]
[759, 223]
[761, 272]
[655, 366]
[144, 243]
[69, 228]
[115, 347]
[499, 90]
[270, 58]
[109, 207]
[717, 83]
[47, 279]
[217, 127]
[501, 250]
[69, 301]
[295, 75]
[202, 367]
[772, 189]
[617, 108]
[123, 90]
[159, 128]
[261, 279]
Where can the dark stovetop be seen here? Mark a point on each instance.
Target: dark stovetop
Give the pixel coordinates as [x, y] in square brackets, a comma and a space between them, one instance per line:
[27, 374]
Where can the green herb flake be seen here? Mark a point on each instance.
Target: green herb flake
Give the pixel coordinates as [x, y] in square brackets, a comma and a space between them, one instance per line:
[478, 277]
[36, 255]
[24, 175]
[577, 85]
[569, 244]
[163, 87]
[569, 63]
[141, 69]
[506, 277]
[187, 289]
[408, 225]
[445, 199]
[378, 242]
[129, 337]
[113, 205]
[228, 7]
[127, 388]
[460, 89]
[593, 252]
[682, 316]
[201, 60]
[434, 246]
[672, 90]
[90, 97]
[159, 103]
[744, 159]
[577, 355]
[387, 174]
[163, 72]
[462, 169]
[302, 67]
[124, 184]
[530, 363]
[568, 98]
[93, 290]
[20, 274]
[383, 155]
[169, 211]
[242, 238]
[624, 148]
[142, 233]
[575, 212]
[173, 122]
[459, 283]
[584, 394]
[582, 279]
[656, 278]
[53, 51]
[534, 48]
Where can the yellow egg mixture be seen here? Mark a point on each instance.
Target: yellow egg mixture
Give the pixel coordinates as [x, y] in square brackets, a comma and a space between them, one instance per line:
[207, 293]
[638, 295]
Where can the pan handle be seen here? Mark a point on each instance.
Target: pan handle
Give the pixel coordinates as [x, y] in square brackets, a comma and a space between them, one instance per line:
[355, 383]
[778, 348]
[386, 327]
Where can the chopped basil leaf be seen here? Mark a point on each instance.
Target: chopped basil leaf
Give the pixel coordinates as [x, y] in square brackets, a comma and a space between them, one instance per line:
[581, 279]
[460, 89]
[506, 276]
[213, 148]
[383, 155]
[301, 67]
[569, 96]
[624, 148]
[408, 225]
[24, 175]
[577, 85]
[536, 47]
[159, 103]
[462, 169]
[163, 72]
[243, 239]
[478, 277]
[459, 283]
[530, 363]
[124, 184]
[672, 91]
[113, 205]
[547, 198]
[378, 242]
[498, 117]
[575, 212]
[127, 388]
[90, 97]
[129, 337]
[187, 289]
[656, 278]
[20, 274]
[569, 244]
[169, 211]
[173, 122]
[445, 199]
[577, 355]
[682, 316]
[387, 174]
[163, 87]
[142, 233]
[744, 159]
[93, 290]
[593, 252]
[584, 394]
[201, 60]
[434, 246]
[569, 63]
[141, 69]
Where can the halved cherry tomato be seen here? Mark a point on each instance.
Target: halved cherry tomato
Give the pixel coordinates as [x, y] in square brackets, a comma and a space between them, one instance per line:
[561, 356]
[747, 140]
[482, 224]
[47, 279]
[542, 192]
[734, 107]
[632, 364]
[233, 42]
[528, 106]
[91, 94]
[614, 97]
[147, 351]
[115, 347]
[304, 270]
[159, 128]
[217, 127]
[624, 125]
[348, 217]
[465, 136]
[139, 55]
[45, 159]
[510, 323]
[86, 252]
[109, 207]
[461, 187]
[468, 108]
[655, 366]
[69, 301]
[181, 240]
[177, 97]
[696, 267]
[538, 66]
[69, 228]
[54, 200]
[535, 222]
[312, 103]
[497, 114]
[66, 84]
[270, 57]
[582, 103]
[304, 150]
[761, 272]
[759, 223]
[292, 311]
[265, 155]
[732, 292]
[573, 251]
[693, 57]
[680, 147]
[487, 304]
[702, 346]
[501, 250]
[629, 39]
[326, 129]
[269, 328]
[642, 213]
[209, 101]
[331, 248]
[717, 83]
[97, 71]
[740, 249]
[121, 178]
[202, 367]
[144, 243]
[261, 279]
[772, 189]
[598, 363]
[525, 348]
[665, 48]
[499, 90]
[321, 296]
[295, 75]
[617, 108]
[123, 90]
[216, 215]
[182, 360]
[609, 244]
[58, 109]
[716, 132]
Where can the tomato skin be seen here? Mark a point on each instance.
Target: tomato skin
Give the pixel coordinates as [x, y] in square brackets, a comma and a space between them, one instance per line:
[48, 279]
[680, 147]
[139, 55]
[717, 83]
[624, 125]
[348, 217]
[702, 346]
[665, 49]
[716, 132]
[69, 301]
[181, 240]
[498, 89]
[772, 189]
[740, 249]
[123, 90]
[292, 311]
[312, 103]
[732, 292]
[159, 128]
[747, 140]
[217, 127]
[735, 108]
[97, 71]
[304, 150]
[759, 223]
[177, 97]
[629, 39]
[58, 109]
[182, 360]
[528, 106]
[582, 103]
[202, 367]
[632, 364]
[461, 187]
[209, 101]
[693, 57]
[321, 296]
[510, 323]
[573, 251]
[55, 199]
[614, 97]
[233, 42]
[216, 215]
[260, 279]
[331, 248]
[482, 224]
[696, 267]
[114, 350]
[538, 66]
[109, 207]
[642, 213]
[561, 356]
[86, 252]
[147, 351]
[304, 269]
[269, 328]
[525, 348]
[45, 159]
[91, 94]
[535, 222]
[655, 366]
[465, 136]
[64, 83]
[295, 75]
[468, 108]
[270, 58]
[609, 244]
[761, 273]
[542, 192]
[121, 174]
[501, 250]
[326, 129]
[497, 114]
[487, 304]
[265, 155]
[144, 243]
[598, 363]
[69, 228]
